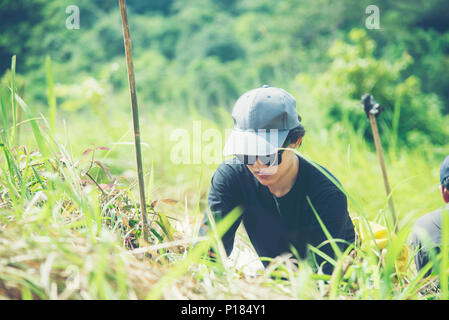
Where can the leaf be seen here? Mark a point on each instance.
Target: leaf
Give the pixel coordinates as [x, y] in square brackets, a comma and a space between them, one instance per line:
[86, 152]
[4, 117]
[90, 149]
[158, 236]
[169, 201]
[41, 142]
[106, 170]
[133, 222]
[126, 222]
[38, 178]
[166, 226]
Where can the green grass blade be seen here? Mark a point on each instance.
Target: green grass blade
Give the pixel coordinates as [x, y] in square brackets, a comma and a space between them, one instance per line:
[5, 133]
[359, 208]
[193, 256]
[337, 275]
[414, 285]
[334, 246]
[394, 249]
[13, 100]
[50, 93]
[42, 144]
[36, 175]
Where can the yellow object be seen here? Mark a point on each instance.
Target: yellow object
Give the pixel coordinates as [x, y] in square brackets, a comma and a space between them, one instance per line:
[381, 238]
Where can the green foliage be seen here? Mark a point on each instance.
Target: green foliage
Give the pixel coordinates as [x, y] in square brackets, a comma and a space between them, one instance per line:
[204, 54]
[63, 211]
[411, 116]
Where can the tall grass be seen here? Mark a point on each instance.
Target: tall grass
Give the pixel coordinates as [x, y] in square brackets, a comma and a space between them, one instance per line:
[70, 223]
[13, 101]
[50, 93]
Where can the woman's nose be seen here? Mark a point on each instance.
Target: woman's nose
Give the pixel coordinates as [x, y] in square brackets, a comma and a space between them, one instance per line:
[259, 163]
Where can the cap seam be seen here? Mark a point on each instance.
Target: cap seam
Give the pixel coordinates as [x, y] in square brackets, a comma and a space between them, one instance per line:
[252, 109]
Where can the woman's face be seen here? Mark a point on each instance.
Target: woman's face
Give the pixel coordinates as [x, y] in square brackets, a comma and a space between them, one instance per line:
[270, 175]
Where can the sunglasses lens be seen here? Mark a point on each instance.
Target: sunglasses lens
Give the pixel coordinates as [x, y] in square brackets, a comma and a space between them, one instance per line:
[268, 160]
[246, 159]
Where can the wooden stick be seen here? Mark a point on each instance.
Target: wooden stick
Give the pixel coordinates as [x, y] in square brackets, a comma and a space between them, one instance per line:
[135, 114]
[372, 120]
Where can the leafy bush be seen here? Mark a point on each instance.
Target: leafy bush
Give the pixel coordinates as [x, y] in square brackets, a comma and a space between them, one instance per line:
[410, 117]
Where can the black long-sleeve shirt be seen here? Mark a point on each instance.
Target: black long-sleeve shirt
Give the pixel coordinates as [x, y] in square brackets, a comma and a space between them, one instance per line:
[274, 224]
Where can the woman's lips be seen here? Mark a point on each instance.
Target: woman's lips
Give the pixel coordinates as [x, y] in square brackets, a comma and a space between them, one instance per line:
[263, 175]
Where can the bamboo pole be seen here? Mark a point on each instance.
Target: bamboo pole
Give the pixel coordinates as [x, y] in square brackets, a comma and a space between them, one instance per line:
[135, 115]
[372, 120]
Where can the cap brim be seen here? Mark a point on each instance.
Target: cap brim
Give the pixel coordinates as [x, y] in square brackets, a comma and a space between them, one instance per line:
[254, 143]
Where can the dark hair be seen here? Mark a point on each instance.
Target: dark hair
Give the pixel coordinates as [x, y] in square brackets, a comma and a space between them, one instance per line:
[446, 183]
[294, 134]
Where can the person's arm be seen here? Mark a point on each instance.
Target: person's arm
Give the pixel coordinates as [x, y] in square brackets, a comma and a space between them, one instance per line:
[332, 209]
[224, 196]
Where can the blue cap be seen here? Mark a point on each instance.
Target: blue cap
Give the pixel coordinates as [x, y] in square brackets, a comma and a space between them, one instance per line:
[262, 118]
[444, 170]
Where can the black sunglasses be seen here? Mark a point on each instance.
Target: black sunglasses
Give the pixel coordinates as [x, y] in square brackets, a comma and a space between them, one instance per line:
[274, 159]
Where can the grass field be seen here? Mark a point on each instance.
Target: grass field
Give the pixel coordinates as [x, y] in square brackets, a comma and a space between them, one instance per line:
[70, 223]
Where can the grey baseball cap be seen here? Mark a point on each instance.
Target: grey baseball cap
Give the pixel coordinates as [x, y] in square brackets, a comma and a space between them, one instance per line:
[263, 118]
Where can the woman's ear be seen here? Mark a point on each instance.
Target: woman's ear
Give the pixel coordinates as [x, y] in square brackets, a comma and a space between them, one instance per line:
[297, 143]
[445, 194]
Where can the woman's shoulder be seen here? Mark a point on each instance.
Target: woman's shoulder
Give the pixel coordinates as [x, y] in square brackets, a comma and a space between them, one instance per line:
[320, 181]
